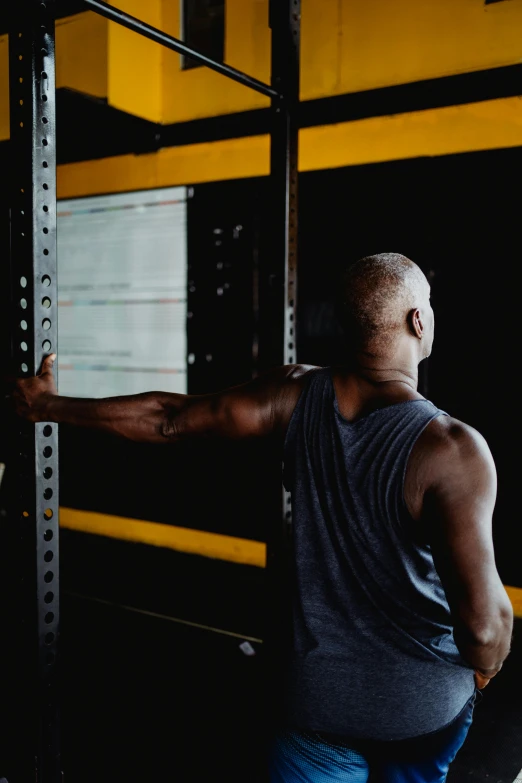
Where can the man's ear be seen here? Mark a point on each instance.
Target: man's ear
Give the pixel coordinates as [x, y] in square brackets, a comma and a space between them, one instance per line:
[415, 323]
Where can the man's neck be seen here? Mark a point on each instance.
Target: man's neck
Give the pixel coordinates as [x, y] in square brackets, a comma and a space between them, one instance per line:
[382, 370]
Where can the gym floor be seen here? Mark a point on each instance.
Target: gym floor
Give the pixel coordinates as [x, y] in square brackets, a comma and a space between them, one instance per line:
[148, 698]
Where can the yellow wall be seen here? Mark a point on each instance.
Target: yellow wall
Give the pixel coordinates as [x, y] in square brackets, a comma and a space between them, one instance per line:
[200, 92]
[81, 54]
[347, 46]
[386, 43]
[135, 63]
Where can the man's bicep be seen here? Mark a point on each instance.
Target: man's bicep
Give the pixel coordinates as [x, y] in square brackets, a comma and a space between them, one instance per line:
[259, 408]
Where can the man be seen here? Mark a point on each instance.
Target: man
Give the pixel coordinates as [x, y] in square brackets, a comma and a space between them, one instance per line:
[398, 609]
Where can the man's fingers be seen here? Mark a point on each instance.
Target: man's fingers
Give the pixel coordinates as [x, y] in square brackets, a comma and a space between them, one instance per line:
[47, 364]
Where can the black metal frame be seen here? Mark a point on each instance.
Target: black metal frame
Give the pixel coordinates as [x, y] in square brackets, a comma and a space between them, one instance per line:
[34, 513]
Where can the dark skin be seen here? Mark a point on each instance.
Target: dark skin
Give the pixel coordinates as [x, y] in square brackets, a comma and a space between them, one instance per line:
[450, 485]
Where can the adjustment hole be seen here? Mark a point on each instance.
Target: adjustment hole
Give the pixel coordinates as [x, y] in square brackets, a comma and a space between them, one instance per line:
[23, 304]
[48, 556]
[23, 346]
[45, 164]
[45, 142]
[24, 368]
[48, 513]
[44, 98]
[45, 252]
[44, 75]
[45, 186]
[48, 576]
[48, 533]
[46, 281]
[45, 230]
[48, 493]
[47, 430]
[45, 120]
[20, 57]
[25, 514]
[46, 208]
[49, 617]
[23, 282]
[21, 125]
[49, 638]
[46, 324]
[21, 102]
[49, 597]
[23, 325]
[21, 80]
[46, 345]
[46, 302]
[47, 452]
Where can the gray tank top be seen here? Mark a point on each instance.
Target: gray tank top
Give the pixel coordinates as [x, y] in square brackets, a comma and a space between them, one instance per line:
[373, 650]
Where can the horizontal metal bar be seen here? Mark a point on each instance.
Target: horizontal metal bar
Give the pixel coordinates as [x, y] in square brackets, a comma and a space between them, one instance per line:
[157, 616]
[137, 26]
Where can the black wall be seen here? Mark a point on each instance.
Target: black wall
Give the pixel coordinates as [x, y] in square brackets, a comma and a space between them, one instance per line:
[458, 218]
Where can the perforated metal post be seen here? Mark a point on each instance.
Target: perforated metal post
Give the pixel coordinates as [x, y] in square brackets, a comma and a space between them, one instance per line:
[34, 509]
[285, 21]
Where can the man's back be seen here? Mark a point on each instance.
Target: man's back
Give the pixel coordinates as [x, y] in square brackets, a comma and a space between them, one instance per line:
[371, 619]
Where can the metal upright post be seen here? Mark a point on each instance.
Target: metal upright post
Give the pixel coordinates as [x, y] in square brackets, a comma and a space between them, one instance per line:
[281, 300]
[33, 512]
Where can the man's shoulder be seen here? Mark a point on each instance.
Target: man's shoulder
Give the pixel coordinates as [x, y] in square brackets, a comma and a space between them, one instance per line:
[448, 444]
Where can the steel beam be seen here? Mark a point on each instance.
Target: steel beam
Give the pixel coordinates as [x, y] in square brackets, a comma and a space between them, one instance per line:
[281, 298]
[33, 511]
[137, 26]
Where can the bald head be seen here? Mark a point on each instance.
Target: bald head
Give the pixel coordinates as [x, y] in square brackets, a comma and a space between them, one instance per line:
[379, 296]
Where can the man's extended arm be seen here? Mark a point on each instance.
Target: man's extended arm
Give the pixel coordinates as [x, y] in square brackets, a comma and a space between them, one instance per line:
[457, 510]
[255, 409]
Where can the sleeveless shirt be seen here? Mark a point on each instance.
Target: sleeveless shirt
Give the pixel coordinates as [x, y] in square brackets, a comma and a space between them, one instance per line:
[373, 652]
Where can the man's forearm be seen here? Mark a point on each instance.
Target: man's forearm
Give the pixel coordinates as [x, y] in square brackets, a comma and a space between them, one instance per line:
[138, 417]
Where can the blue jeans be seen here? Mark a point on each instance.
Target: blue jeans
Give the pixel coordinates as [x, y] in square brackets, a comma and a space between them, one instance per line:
[307, 757]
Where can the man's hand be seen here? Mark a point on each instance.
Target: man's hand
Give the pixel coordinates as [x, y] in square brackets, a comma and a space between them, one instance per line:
[31, 395]
[480, 680]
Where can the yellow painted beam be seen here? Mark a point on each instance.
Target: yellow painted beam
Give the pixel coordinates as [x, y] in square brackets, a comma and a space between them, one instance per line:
[181, 539]
[476, 126]
[190, 164]
[473, 126]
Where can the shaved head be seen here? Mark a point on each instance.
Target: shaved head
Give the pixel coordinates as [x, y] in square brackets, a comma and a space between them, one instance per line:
[378, 294]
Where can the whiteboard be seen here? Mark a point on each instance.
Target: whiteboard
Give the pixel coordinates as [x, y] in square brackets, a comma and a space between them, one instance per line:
[122, 301]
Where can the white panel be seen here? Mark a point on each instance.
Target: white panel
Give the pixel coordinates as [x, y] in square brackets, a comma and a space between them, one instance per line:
[122, 279]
